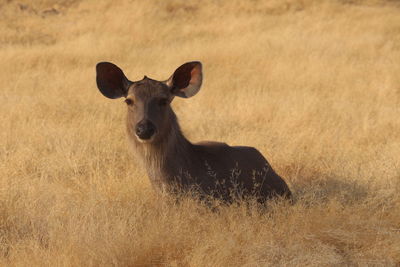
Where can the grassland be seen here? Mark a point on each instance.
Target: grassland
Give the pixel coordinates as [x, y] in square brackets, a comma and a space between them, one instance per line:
[314, 85]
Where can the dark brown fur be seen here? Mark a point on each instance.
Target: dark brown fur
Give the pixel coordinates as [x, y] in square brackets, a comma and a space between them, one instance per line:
[174, 163]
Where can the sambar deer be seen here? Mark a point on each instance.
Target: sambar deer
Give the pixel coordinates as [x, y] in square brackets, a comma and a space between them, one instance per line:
[173, 163]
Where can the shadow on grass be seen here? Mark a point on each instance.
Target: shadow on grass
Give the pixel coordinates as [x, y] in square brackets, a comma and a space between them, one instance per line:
[320, 188]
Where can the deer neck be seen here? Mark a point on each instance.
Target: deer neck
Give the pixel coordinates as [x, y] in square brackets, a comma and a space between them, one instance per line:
[168, 158]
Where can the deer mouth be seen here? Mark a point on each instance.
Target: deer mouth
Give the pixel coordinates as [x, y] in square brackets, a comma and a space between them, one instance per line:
[147, 137]
[145, 140]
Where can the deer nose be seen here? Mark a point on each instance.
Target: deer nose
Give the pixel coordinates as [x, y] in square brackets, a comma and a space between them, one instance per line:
[145, 129]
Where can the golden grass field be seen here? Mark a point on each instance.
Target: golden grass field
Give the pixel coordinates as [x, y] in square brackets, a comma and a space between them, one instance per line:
[314, 85]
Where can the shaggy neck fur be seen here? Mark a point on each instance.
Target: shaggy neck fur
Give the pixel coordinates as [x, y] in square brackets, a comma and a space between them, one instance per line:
[166, 158]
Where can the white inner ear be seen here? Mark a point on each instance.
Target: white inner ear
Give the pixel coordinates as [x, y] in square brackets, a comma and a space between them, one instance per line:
[193, 87]
[191, 90]
[169, 81]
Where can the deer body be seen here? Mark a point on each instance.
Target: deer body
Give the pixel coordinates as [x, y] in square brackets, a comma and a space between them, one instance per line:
[172, 162]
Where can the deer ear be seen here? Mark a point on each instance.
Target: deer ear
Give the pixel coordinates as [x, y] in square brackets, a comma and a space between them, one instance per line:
[186, 80]
[111, 81]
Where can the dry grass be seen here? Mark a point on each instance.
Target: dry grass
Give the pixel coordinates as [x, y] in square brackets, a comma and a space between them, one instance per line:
[315, 85]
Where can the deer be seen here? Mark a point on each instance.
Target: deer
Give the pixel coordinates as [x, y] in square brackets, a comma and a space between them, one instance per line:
[173, 164]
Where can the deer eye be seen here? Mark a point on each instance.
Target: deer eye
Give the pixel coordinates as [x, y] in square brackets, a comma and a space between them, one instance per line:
[163, 102]
[129, 101]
